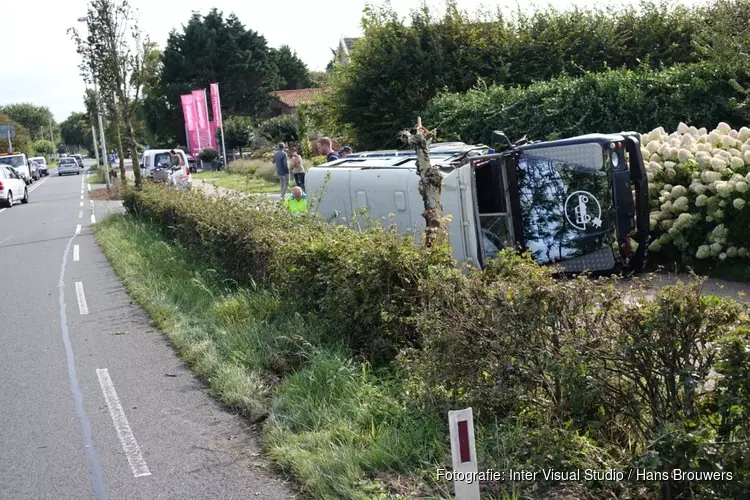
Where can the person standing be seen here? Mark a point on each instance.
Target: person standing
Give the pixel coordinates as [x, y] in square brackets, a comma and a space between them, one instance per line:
[298, 170]
[326, 148]
[281, 160]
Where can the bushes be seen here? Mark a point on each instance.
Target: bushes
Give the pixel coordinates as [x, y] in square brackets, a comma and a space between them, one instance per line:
[560, 372]
[362, 284]
[280, 129]
[608, 102]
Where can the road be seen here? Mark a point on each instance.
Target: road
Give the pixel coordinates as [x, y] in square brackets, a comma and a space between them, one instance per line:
[94, 403]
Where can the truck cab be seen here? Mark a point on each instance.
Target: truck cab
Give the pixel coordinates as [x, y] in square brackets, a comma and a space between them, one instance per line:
[20, 163]
[581, 203]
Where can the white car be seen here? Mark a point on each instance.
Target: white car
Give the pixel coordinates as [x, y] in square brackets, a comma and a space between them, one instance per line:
[68, 166]
[12, 187]
[19, 162]
[42, 162]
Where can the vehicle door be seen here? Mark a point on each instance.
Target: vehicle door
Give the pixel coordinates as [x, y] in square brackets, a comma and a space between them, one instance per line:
[15, 183]
[566, 207]
[385, 195]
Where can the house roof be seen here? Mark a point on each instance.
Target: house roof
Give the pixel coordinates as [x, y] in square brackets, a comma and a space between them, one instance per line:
[292, 97]
[349, 43]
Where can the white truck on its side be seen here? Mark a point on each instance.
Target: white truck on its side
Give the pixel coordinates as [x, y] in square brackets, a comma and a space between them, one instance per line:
[581, 202]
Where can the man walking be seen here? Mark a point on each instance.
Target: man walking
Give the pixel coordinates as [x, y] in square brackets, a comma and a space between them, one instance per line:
[281, 160]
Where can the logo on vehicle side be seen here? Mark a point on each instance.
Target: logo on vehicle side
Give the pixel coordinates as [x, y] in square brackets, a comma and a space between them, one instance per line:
[582, 209]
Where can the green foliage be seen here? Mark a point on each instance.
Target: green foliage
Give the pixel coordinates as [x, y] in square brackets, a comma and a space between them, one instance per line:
[291, 71]
[238, 132]
[208, 154]
[398, 67]
[21, 142]
[283, 128]
[36, 119]
[612, 101]
[76, 131]
[44, 147]
[213, 48]
[319, 160]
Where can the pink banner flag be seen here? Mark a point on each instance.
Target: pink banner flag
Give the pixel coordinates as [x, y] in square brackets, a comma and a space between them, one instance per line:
[188, 111]
[201, 113]
[216, 105]
[213, 134]
[193, 137]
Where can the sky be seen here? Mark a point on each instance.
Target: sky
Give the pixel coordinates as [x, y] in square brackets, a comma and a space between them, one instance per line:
[41, 64]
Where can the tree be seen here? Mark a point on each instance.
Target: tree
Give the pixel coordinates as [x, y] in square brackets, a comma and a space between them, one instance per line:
[280, 129]
[36, 119]
[21, 142]
[214, 49]
[208, 154]
[292, 72]
[43, 146]
[319, 79]
[430, 183]
[154, 109]
[76, 131]
[113, 56]
[238, 132]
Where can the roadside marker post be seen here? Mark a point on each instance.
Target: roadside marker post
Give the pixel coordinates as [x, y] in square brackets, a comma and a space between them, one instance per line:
[464, 454]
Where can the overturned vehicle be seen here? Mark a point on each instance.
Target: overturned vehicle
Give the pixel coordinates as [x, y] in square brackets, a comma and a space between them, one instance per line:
[581, 203]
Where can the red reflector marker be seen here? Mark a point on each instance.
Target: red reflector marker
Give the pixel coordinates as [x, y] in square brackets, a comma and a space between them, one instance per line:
[463, 441]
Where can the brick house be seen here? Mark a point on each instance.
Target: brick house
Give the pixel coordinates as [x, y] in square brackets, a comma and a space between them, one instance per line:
[286, 100]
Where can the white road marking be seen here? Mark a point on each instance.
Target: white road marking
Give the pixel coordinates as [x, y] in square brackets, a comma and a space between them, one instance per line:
[78, 229]
[81, 196]
[82, 307]
[129, 445]
[80, 214]
[89, 187]
[39, 184]
[76, 254]
[81, 203]
[93, 219]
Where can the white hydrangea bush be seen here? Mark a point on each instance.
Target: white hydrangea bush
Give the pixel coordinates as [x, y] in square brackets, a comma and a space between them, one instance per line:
[699, 182]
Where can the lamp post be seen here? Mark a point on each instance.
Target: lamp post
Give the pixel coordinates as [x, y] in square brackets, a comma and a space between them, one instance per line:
[105, 164]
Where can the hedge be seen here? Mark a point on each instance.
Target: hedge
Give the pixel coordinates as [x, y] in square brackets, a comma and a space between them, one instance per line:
[609, 102]
[590, 374]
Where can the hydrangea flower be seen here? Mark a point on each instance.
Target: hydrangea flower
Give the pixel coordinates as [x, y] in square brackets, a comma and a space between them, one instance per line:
[704, 252]
[679, 191]
[742, 252]
[723, 189]
[723, 128]
[701, 200]
[722, 256]
[718, 164]
[741, 186]
[680, 205]
[737, 162]
[715, 249]
[732, 252]
[738, 203]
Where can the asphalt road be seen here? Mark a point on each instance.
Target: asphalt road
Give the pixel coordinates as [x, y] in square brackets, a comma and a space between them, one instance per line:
[93, 401]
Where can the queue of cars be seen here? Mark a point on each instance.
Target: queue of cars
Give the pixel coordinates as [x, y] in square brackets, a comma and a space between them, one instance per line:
[17, 172]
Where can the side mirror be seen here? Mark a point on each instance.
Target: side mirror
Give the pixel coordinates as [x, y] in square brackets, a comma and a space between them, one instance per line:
[499, 136]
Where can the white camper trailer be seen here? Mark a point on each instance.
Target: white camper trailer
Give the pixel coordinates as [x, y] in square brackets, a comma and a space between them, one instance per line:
[579, 202]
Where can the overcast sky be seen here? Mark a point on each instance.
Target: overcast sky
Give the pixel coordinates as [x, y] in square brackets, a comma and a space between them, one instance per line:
[40, 64]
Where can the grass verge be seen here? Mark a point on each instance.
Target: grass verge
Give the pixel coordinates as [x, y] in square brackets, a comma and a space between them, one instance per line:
[238, 182]
[335, 425]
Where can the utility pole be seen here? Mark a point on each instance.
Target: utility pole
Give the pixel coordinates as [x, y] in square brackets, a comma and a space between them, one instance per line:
[96, 150]
[51, 135]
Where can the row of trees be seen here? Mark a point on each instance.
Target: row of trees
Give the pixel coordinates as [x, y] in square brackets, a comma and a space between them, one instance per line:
[399, 65]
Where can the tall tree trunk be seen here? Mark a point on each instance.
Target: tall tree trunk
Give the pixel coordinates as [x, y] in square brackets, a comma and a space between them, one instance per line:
[123, 179]
[134, 153]
[430, 184]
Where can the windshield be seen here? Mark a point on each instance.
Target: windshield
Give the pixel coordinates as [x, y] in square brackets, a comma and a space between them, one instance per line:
[67, 161]
[567, 211]
[13, 161]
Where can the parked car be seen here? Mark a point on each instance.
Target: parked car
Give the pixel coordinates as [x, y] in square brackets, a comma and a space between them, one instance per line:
[78, 159]
[12, 186]
[19, 162]
[68, 166]
[34, 169]
[42, 164]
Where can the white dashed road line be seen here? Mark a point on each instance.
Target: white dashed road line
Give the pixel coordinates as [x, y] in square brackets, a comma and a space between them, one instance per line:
[78, 229]
[83, 308]
[93, 219]
[129, 445]
[81, 203]
[76, 254]
[80, 214]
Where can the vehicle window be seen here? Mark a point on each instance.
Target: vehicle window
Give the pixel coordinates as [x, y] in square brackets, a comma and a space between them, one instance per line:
[565, 208]
[3, 175]
[13, 161]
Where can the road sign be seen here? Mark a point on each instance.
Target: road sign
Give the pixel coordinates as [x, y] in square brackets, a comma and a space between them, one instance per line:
[7, 131]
